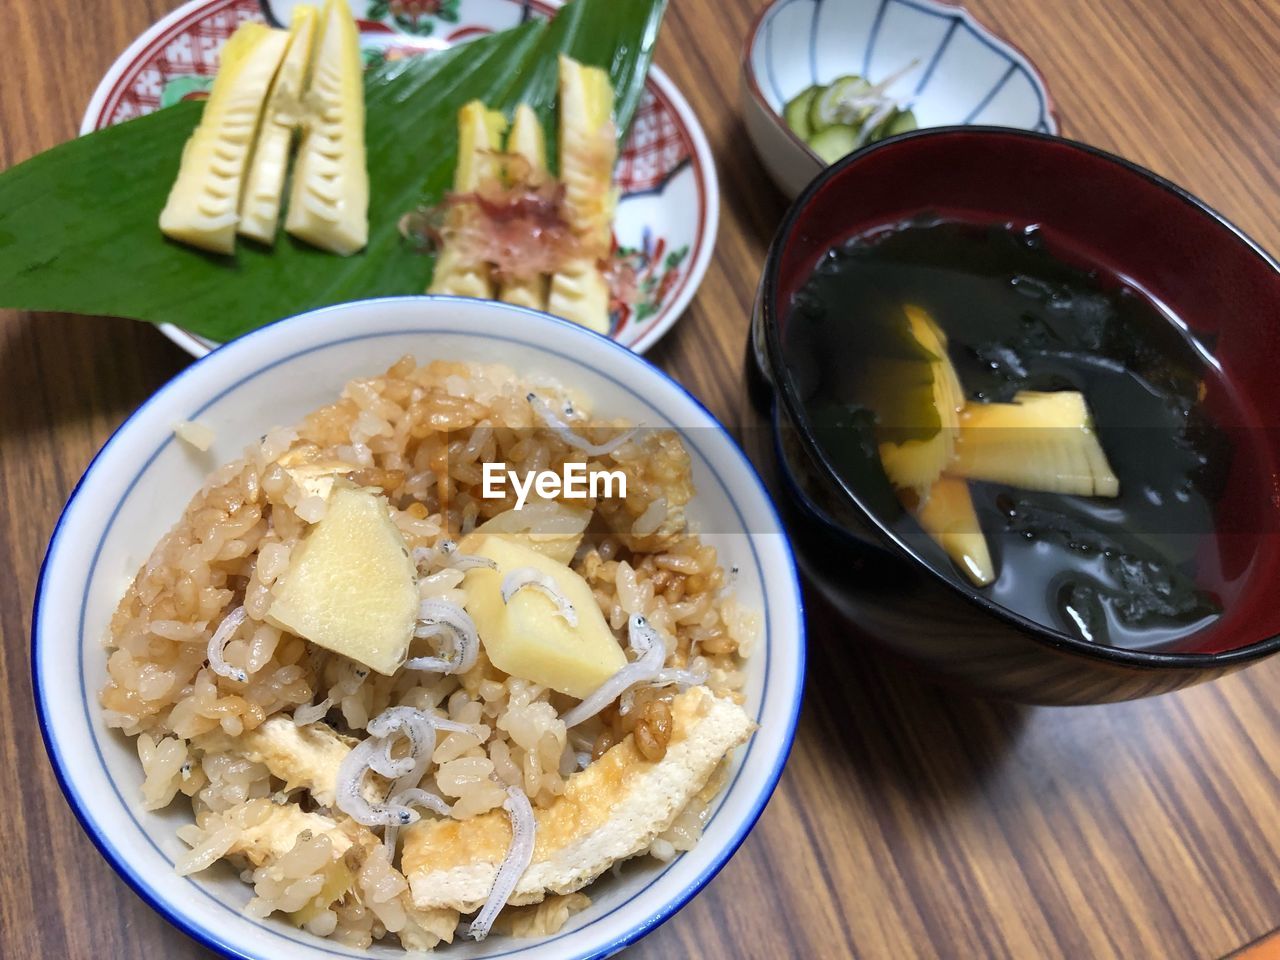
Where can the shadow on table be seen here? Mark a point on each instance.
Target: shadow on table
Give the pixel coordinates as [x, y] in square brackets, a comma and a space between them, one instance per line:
[891, 724]
[58, 369]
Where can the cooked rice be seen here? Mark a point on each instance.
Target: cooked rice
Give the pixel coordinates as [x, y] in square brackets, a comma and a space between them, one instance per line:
[421, 434]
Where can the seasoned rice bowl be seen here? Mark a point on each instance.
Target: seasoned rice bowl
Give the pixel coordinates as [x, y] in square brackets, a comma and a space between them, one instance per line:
[188, 720]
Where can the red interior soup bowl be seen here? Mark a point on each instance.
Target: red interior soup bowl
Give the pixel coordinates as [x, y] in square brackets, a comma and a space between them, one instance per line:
[1213, 299]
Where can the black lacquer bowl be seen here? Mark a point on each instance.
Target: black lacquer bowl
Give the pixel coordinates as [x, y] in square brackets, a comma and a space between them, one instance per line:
[1137, 225]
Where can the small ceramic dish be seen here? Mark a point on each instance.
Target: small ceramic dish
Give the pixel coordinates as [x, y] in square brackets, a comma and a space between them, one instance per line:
[140, 482]
[964, 72]
[669, 209]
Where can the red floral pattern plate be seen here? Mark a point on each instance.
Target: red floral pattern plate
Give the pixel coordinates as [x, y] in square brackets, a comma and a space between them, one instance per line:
[670, 205]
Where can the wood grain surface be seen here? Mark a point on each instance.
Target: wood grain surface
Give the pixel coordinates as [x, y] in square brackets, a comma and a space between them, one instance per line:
[910, 821]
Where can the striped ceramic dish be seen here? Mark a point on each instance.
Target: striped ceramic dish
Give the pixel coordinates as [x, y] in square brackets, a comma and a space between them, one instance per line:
[960, 72]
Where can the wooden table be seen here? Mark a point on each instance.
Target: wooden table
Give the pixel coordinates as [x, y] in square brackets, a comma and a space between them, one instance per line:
[909, 822]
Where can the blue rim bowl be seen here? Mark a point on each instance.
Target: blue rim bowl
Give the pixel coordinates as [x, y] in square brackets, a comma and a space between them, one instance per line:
[138, 482]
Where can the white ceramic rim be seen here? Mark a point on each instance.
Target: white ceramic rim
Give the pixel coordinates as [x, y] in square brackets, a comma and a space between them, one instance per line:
[703, 163]
[784, 627]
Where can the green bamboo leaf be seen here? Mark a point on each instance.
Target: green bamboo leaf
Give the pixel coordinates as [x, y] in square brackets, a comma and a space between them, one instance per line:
[618, 37]
[78, 228]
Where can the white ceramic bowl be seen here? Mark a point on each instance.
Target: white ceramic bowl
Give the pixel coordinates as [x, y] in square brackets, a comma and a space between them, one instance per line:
[966, 73]
[669, 203]
[138, 484]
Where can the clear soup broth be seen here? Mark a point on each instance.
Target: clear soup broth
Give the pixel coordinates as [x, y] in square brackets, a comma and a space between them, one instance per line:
[1139, 570]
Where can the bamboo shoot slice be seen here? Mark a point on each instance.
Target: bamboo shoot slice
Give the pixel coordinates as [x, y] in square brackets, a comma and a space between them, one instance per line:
[527, 142]
[264, 186]
[947, 515]
[203, 204]
[351, 586]
[917, 464]
[548, 527]
[480, 133]
[1041, 441]
[588, 151]
[329, 203]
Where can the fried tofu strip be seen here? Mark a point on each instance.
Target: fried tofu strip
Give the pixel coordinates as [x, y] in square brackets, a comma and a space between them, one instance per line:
[306, 756]
[270, 839]
[611, 811]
